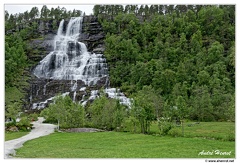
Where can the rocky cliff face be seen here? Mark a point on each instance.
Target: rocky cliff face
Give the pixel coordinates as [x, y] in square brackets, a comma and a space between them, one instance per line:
[41, 91]
[92, 35]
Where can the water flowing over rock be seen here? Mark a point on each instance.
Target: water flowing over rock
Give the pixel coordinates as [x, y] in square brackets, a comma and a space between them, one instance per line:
[71, 69]
[70, 59]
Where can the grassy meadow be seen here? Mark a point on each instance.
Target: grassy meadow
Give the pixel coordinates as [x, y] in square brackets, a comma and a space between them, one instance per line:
[209, 130]
[14, 135]
[208, 136]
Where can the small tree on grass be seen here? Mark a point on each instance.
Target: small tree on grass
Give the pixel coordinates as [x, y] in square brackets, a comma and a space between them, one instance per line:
[143, 108]
[165, 121]
[59, 109]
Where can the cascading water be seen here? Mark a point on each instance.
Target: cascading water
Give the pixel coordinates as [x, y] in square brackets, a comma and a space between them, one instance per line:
[71, 60]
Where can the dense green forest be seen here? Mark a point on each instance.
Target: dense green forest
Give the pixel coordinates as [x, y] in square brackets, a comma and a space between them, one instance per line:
[181, 52]
[173, 60]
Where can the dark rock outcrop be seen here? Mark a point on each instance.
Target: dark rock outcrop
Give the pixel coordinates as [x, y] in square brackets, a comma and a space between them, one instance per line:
[92, 34]
[39, 48]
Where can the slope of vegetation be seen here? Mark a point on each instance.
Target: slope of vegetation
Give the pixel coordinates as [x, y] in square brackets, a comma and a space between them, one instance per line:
[186, 54]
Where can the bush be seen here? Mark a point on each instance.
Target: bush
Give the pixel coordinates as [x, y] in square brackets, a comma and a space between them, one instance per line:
[131, 124]
[48, 116]
[164, 126]
[24, 124]
[66, 112]
[10, 124]
[175, 132]
[106, 114]
[33, 117]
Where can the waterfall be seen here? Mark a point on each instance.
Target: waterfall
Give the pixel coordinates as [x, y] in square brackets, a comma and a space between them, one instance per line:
[70, 59]
[60, 28]
[44, 89]
[74, 26]
[74, 87]
[74, 96]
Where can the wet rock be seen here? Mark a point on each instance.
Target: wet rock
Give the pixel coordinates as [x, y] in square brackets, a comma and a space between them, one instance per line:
[39, 48]
[98, 50]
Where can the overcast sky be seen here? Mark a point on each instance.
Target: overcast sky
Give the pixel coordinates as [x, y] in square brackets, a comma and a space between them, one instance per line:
[71, 4]
[13, 9]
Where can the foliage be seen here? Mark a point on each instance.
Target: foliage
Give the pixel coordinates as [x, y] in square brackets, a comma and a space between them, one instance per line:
[65, 112]
[12, 111]
[175, 132]
[12, 95]
[131, 124]
[185, 55]
[24, 124]
[33, 117]
[106, 113]
[164, 125]
[143, 108]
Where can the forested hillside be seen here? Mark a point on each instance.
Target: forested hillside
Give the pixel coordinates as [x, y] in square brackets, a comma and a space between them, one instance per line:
[173, 60]
[184, 54]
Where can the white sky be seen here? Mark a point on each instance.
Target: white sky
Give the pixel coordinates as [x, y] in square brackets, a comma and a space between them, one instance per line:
[20, 8]
[87, 6]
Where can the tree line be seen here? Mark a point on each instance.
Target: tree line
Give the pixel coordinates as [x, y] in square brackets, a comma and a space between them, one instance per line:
[21, 20]
[186, 54]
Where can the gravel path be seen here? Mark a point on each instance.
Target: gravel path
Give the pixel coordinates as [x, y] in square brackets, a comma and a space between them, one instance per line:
[39, 130]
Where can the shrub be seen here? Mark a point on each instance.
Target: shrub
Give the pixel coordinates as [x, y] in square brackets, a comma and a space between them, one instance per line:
[24, 124]
[10, 124]
[106, 114]
[66, 112]
[164, 126]
[131, 124]
[33, 117]
[175, 132]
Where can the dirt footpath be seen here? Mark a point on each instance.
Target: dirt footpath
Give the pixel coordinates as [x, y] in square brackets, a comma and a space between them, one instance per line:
[39, 130]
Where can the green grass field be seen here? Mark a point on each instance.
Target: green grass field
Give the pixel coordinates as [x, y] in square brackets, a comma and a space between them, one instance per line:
[121, 145]
[14, 135]
[211, 130]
